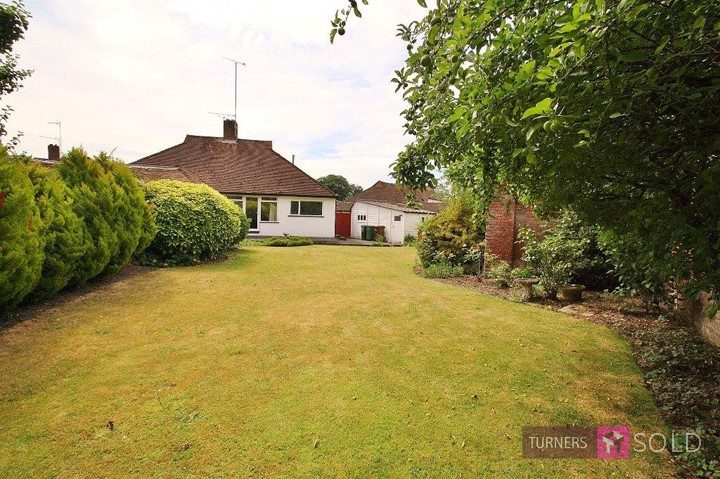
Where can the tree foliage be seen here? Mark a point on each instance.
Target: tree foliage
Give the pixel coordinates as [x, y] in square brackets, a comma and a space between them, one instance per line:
[340, 185]
[13, 25]
[610, 107]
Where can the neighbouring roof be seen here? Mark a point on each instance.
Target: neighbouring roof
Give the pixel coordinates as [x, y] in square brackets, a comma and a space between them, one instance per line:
[400, 208]
[389, 193]
[237, 167]
[343, 206]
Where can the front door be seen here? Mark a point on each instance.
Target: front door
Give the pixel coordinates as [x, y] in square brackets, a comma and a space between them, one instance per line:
[251, 211]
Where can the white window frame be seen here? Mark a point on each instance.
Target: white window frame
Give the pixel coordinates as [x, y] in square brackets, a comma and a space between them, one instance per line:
[269, 200]
[362, 217]
[299, 208]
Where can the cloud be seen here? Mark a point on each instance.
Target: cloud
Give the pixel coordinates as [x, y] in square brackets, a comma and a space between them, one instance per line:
[135, 77]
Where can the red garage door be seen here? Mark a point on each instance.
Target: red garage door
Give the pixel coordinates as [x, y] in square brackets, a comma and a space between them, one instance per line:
[342, 224]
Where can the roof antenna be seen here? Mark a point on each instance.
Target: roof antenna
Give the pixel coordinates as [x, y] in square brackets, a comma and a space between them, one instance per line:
[236, 62]
[224, 116]
[293, 158]
[59, 138]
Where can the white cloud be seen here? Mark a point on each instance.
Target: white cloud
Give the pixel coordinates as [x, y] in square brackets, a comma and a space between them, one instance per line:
[137, 76]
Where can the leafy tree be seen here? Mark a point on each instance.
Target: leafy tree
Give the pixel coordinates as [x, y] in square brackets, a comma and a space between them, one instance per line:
[21, 240]
[340, 186]
[610, 107]
[13, 25]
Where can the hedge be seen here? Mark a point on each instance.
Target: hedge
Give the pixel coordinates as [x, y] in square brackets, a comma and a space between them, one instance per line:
[64, 227]
[194, 223]
[288, 241]
[21, 239]
[66, 237]
[133, 220]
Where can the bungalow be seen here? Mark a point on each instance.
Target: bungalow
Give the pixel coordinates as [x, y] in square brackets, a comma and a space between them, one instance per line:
[398, 211]
[277, 196]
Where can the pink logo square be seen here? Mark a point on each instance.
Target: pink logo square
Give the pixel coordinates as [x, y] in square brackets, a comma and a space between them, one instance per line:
[613, 442]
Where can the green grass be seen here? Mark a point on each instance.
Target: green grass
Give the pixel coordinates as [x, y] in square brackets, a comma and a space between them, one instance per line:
[307, 362]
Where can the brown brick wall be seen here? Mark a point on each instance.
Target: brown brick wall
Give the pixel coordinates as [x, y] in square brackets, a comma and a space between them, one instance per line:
[506, 217]
[500, 230]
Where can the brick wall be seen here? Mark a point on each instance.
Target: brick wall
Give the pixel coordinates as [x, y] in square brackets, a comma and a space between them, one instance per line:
[506, 217]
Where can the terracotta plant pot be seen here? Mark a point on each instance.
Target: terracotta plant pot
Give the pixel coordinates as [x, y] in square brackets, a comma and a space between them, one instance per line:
[571, 293]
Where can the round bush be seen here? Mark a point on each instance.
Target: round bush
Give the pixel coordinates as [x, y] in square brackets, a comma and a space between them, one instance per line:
[21, 240]
[194, 222]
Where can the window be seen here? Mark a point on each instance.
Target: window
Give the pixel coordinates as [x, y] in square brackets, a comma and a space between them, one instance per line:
[397, 218]
[239, 202]
[268, 210]
[251, 211]
[306, 208]
[362, 217]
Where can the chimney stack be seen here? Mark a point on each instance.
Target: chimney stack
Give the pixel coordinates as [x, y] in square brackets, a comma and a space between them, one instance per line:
[53, 153]
[230, 130]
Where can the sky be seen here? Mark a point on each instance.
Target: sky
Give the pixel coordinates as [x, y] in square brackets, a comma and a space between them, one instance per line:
[134, 77]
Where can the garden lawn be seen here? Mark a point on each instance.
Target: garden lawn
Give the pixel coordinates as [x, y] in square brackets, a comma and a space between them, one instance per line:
[318, 361]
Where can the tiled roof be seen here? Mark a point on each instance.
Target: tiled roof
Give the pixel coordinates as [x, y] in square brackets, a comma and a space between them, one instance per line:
[403, 209]
[390, 194]
[149, 173]
[237, 166]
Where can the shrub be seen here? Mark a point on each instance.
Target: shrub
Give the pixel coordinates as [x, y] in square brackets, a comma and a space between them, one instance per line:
[451, 236]
[409, 240]
[524, 272]
[21, 241]
[93, 195]
[194, 222]
[66, 237]
[554, 258]
[442, 270]
[570, 252]
[288, 241]
[499, 271]
[593, 268]
[638, 269]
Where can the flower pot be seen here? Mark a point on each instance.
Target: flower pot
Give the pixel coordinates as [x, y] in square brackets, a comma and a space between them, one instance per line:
[571, 293]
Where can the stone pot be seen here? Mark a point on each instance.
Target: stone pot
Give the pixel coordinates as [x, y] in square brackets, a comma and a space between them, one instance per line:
[571, 293]
[527, 285]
